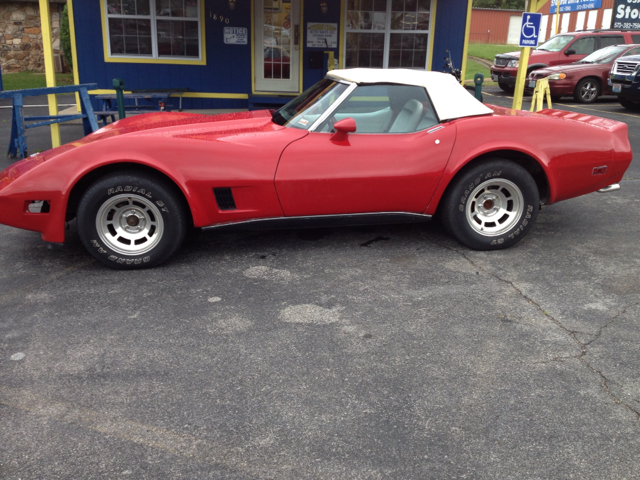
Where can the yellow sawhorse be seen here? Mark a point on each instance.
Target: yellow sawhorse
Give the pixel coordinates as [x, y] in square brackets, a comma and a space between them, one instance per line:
[541, 90]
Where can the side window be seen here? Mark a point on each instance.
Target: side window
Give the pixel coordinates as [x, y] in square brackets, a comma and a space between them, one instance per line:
[633, 51]
[635, 38]
[583, 46]
[611, 40]
[385, 109]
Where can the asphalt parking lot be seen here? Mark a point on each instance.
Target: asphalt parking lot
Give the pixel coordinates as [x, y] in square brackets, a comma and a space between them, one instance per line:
[353, 353]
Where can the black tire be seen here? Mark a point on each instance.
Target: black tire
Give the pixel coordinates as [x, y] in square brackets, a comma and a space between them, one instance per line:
[505, 87]
[628, 104]
[490, 206]
[587, 90]
[131, 220]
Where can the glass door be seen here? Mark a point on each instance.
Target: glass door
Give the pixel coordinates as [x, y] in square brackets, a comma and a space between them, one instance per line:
[277, 44]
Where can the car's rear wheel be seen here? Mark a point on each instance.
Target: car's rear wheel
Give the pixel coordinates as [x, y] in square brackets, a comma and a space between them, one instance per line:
[587, 90]
[491, 206]
[628, 104]
[131, 220]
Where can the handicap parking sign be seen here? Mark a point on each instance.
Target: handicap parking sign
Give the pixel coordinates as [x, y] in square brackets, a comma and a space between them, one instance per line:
[530, 29]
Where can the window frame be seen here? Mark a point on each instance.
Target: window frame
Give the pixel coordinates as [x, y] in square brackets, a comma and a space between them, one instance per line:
[174, 60]
[388, 31]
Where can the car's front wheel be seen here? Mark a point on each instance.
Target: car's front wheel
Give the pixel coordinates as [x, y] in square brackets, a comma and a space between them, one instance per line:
[131, 220]
[491, 206]
[506, 87]
[628, 104]
[587, 90]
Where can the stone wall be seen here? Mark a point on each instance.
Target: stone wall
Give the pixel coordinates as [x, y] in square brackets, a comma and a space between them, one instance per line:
[21, 35]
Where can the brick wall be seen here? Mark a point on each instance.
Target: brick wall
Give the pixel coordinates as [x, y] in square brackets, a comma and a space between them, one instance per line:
[21, 35]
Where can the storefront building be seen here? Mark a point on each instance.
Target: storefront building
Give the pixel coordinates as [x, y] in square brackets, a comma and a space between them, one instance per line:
[226, 51]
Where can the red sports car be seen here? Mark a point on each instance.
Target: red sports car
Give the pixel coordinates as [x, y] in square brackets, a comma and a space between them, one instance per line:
[362, 146]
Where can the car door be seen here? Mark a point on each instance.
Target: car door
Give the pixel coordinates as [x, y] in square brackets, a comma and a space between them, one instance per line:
[392, 163]
[578, 49]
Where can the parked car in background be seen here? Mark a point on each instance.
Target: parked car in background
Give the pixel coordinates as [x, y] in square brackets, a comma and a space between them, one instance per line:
[277, 62]
[558, 50]
[585, 79]
[625, 82]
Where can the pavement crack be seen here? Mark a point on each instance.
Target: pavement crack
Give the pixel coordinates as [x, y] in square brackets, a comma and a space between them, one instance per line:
[572, 333]
[379, 238]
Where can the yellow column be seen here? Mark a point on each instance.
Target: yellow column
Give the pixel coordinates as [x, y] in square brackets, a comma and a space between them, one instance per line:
[465, 48]
[50, 74]
[74, 51]
[532, 7]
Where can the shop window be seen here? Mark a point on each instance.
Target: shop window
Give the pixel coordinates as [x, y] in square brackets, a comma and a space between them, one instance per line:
[387, 33]
[157, 29]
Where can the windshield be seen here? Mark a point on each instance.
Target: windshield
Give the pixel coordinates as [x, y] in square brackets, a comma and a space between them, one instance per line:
[306, 108]
[555, 44]
[604, 55]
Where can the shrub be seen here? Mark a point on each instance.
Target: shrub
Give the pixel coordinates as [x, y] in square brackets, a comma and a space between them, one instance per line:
[65, 37]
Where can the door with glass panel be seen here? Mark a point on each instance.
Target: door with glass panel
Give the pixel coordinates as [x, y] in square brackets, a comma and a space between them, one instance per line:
[387, 33]
[277, 45]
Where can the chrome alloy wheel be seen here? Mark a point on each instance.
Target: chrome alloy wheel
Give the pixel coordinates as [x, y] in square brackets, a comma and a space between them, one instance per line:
[129, 225]
[494, 207]
[589, 91]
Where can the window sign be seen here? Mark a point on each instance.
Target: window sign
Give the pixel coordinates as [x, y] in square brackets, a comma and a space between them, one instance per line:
[626, 15]
[574, 5]
[322, 35]
[236, 35]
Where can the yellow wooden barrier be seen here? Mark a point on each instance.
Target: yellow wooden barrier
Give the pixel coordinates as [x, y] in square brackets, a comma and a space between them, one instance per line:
[541, 90]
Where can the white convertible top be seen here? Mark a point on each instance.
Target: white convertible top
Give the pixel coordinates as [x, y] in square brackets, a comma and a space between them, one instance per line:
[450, 99]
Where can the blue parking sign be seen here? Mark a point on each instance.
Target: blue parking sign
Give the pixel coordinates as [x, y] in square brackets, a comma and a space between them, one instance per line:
[530, 29]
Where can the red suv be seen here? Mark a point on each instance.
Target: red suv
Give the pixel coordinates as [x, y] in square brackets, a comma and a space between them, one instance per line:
[558, 50]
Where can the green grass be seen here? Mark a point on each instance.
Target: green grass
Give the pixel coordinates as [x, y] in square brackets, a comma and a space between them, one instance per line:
[473, 68]
[489, 51]
[19, 81]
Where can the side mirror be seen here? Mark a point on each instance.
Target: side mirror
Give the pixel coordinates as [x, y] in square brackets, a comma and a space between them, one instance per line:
[571, 51]
[344, 126]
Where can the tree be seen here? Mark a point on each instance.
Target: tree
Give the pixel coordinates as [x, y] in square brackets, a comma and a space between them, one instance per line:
[65, 37]
[501, 4]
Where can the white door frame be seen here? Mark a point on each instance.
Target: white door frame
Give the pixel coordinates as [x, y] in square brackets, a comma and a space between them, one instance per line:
[261, 84]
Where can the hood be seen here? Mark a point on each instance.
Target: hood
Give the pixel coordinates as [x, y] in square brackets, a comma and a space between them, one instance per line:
[533, 53]
[169, 123]
[575, 67]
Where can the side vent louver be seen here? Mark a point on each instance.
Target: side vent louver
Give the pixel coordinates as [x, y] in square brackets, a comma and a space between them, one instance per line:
[224, 197]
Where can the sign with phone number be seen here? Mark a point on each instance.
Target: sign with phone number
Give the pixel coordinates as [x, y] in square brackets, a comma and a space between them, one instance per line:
[626, 14]
[574, 5]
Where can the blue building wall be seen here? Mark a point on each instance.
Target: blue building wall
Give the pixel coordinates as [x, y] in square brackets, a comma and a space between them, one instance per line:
[228, 67]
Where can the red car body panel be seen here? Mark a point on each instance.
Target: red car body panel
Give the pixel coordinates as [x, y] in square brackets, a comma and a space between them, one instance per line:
[318, 176]
[277, 171]
[546, 136]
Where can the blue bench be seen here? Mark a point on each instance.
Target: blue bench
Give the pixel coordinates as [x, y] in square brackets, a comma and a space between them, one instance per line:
[19, 126]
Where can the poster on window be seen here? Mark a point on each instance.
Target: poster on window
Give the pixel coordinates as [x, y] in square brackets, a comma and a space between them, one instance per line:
[322, 35]
[235, 35]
